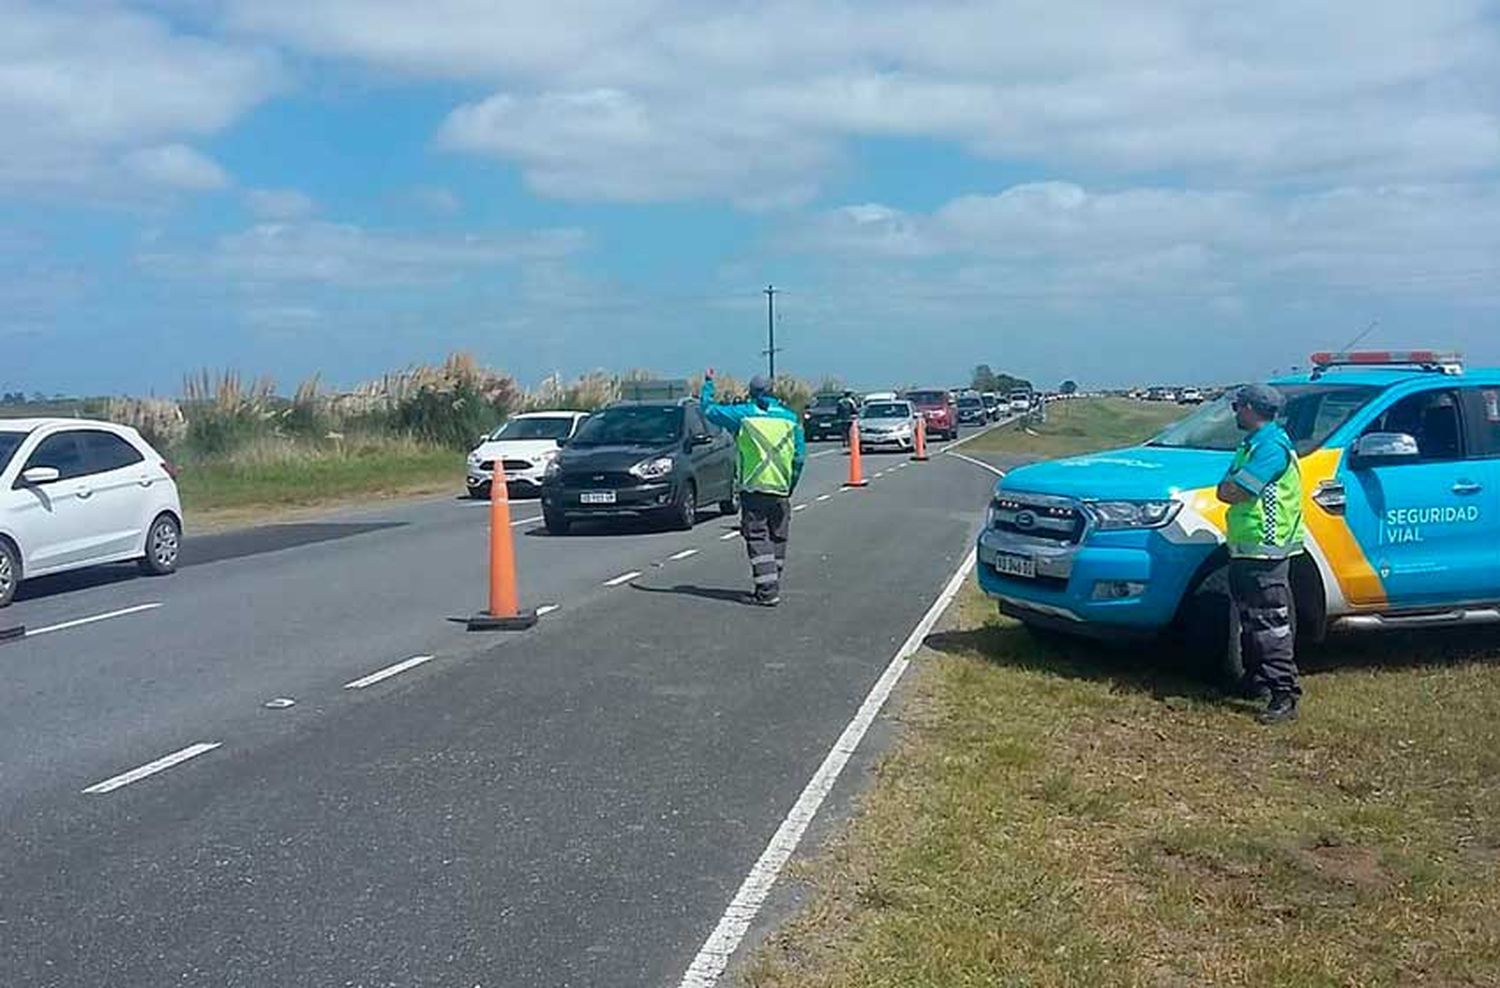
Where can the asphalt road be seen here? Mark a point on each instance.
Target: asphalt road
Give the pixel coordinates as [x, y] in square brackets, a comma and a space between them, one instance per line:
[572, 806]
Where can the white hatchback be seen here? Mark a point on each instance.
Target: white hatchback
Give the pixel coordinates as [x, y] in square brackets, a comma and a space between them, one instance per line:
[75, 493]
[525, 445]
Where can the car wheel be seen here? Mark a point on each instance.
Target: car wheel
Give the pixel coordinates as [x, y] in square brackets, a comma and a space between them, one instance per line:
[685, 511]
[163, 545]
[10, 572]
[1207, 633]
[480, 493]
[731, 506]
[557, 524]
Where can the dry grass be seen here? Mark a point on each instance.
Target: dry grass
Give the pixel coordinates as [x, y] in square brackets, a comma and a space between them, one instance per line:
[1082, 426]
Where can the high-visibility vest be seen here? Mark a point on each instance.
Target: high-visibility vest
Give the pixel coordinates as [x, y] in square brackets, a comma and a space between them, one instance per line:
[767, 446]
[1269, 526]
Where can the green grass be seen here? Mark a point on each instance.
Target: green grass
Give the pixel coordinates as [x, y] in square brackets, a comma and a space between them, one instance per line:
[1082, 426]
[1059, 813]
[233, 488]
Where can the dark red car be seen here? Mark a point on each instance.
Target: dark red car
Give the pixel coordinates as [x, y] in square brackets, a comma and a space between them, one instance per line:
[940, 411]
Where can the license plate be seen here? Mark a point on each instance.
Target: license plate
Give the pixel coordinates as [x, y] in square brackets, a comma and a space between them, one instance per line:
[597, 497]
[1010, 564]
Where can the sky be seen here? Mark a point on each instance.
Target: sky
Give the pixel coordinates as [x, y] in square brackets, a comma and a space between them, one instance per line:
[1113, 191]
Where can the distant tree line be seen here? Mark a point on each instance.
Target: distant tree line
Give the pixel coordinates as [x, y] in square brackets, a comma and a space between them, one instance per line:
[985, 379]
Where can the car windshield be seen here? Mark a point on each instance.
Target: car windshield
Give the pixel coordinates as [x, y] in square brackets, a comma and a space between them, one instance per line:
[9, 443]
[970, 403]
[517, 430]
[826, 401]
[887, 410]
[1312, 413]
[643, 425]
[927, 398]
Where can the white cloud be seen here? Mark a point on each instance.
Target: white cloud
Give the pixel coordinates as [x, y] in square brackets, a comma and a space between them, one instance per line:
[350, 256]
[279, 204]
[436, 199]
[177, 166]
[671, 99]
[84, 83]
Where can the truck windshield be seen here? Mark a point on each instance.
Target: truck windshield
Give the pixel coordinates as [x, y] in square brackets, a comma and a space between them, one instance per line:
[1313, 412]
[643, 425]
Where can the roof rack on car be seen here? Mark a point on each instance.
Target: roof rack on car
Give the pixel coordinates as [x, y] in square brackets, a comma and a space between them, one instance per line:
[1435, 361]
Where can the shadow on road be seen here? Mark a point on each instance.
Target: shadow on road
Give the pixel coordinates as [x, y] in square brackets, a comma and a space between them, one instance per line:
[705, 593]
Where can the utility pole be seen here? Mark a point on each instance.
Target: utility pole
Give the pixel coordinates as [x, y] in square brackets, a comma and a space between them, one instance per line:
[770, 293]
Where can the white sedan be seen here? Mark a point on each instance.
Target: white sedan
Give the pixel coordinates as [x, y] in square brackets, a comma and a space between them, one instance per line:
[887, 425]
[75, 493]
[525, 446]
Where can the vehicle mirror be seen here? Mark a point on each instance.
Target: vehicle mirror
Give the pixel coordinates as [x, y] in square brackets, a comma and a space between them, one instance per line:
[702, 440]
[37, 476]
[1381, 447]
[563, 441]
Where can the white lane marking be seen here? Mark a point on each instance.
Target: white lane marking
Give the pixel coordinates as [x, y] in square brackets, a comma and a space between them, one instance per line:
[880, 474]
[902, 466]
[729, 535]
[708, 967]
[622, 579]
[684, 554]
[825, 497]
[800, 507]
[524, 521]
[981, 432]
[80, 622]
[546, 609]
[150, 768]
[388, 672]
[978, 463]
[826, 452]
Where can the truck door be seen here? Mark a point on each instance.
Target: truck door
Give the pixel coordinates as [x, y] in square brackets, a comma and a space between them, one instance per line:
[1426, 523]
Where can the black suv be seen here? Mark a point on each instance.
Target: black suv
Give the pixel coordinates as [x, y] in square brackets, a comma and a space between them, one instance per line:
[642, 459]
[821, 420]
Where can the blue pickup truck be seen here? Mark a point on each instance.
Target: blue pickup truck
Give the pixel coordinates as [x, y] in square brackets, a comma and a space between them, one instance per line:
[1400, 458]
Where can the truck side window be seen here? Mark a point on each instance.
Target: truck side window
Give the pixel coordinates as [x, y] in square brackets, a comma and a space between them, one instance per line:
[1482, 406]
[1432, 418]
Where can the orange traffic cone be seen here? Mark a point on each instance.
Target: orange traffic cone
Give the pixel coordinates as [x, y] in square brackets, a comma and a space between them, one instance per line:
[504, 613]
[920, 453]
[856, 460]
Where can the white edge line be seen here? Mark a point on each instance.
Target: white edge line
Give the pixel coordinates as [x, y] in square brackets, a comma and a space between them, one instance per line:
[546, 609]
[387, 672]
[800, 507]
[729, 535]
[150, 768]
[825, 497]
[622, 578]
[978, 463]
[524, 521]
[684, 554]
[708, 967]
[64, 626]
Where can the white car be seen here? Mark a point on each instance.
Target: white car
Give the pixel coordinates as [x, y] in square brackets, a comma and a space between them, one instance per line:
[1020, 401]
[880, 396]
[525, 446]
[887, 425]
[75, 493]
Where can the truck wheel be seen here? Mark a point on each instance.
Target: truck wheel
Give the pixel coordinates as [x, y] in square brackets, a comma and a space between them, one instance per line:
[1208, 632]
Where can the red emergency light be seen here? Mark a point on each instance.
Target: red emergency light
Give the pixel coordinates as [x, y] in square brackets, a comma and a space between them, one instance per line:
[1435, 360]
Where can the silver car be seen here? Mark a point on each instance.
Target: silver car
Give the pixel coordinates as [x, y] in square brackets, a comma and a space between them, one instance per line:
[887, 425]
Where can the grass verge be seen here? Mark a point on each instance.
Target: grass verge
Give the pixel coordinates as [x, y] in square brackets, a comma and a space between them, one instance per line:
[215, 494]
[1057, 813]
[1082, 426]
[1054, 815]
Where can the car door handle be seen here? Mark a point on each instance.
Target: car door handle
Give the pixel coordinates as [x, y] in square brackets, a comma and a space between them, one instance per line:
[83, 493]
[1467, 487]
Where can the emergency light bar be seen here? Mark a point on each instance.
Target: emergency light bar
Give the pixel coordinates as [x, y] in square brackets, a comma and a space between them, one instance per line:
[1428, 360]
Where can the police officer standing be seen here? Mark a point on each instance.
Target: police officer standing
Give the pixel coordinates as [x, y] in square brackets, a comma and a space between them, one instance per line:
[1264, 492]
[772, 451]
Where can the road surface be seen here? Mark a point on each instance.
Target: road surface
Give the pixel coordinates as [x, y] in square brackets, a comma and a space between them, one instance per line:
[572, 806]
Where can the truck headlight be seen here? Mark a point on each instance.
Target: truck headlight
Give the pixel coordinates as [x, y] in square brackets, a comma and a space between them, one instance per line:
[1110, 515]
[653, 469]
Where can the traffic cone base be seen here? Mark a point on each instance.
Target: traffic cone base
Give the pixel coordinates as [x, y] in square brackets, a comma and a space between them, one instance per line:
[520, 621]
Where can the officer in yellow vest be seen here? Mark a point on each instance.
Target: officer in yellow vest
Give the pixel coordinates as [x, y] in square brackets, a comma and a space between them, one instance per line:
[772, 451]
[1264, 492]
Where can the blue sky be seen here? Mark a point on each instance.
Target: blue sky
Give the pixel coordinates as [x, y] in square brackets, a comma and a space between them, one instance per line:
[1115, 192]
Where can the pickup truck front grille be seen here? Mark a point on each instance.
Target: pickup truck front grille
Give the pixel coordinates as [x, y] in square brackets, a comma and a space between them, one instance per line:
[1045, 518]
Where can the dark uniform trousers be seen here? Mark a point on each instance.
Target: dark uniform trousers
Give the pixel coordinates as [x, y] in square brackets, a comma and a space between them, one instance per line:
[1262, 593]
[766, 524]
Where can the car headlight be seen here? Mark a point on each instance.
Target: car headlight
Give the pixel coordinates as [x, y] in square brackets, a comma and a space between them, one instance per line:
[554, 467]
[1133, 514]
[474, 459]
[653, 469]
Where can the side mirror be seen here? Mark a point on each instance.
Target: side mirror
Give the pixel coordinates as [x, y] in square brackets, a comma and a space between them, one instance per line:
[1383, 447]
[37, 476]
[563, 442]
[703, 440]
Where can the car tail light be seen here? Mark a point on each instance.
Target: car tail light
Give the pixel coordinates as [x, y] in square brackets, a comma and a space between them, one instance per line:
[170, 468]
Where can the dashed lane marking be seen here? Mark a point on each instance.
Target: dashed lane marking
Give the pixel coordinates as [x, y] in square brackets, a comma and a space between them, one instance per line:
[94, 619]
[388, 672]
[684, 554]
[151, 768]
[623, 579]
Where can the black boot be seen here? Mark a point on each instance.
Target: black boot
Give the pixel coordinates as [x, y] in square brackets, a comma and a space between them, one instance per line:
[1281, 709]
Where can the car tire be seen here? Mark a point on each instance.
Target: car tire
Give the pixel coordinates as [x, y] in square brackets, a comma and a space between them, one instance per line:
[1207, 632]
[731, 507]
[10, 572]
[481, 493]
[163, 546]
[685, 511]
[556, 524]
